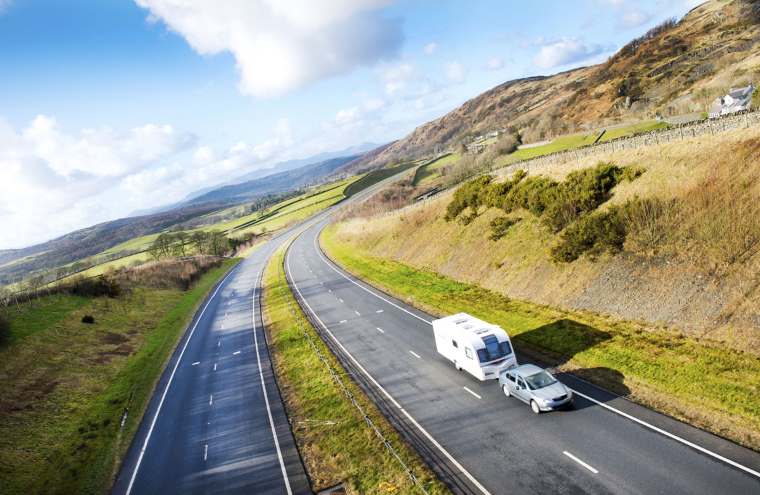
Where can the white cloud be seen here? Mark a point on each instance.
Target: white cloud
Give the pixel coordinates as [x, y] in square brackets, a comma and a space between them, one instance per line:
[396, 77]
[456, 72]
[281, 45]
[495, 63]
[634, 18]
[430, 48]
[565, 51]
[53, 182]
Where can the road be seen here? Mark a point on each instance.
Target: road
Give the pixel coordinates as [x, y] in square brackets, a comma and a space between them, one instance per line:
[216, 422]
[482, 442]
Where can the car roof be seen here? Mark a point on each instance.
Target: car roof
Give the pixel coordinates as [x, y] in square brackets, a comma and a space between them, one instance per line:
[528, 369]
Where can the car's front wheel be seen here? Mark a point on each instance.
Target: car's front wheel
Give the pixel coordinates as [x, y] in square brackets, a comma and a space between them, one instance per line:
[505, 389]
[534, 407]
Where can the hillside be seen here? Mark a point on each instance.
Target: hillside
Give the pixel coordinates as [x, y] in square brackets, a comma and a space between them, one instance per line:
[674, 69]
[689, 261]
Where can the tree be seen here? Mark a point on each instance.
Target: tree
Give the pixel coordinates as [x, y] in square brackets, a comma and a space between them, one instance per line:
[162, 246]
[219, 244]
[180, 241]
[199, 239]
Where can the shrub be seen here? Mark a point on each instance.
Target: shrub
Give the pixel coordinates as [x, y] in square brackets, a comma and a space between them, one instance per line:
[500, 227]
[469, 195]
[89, 319]
[506, 144]
[593, 234]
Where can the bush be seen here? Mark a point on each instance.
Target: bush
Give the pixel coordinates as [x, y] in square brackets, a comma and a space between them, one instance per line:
[593, 234]
[89, 319]
[94, 287]
[648, 222]
[500, 227]
[469, 195]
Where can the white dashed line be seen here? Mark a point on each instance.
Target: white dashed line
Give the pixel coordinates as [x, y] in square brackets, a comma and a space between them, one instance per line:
[205, 452]
[587, 466]
[357, 313]
[380, 330]
[214, 366]
[415, 354]
[473, 393]
[219, 343]
[379, 311]
[196, 363]
[339, 299]
[210, 399]
[236, 353]
[342, 321]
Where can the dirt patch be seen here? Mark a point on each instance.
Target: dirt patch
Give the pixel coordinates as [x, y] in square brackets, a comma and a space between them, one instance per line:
[114, 338]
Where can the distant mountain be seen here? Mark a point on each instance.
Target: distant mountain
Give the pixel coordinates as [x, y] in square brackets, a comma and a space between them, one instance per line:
[263, 172]
[274, 183]
[294, 164]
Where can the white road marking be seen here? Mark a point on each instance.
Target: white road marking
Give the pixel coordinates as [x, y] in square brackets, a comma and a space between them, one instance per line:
[219, 343]
[210, 399]
[168, 384]
[342, 321]
[329, 290]
[357, 313]
[473, 393]
[339, 299]
[672, 436]
[205, 452]
[379, 311]
[415, 354]
[587, 466]
[380, 330]
[385, 392]
[264, 389]
[236, 353]
[196, 363]
[214, 366]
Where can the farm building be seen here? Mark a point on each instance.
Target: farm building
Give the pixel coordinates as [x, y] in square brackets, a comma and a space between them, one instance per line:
[737, 100]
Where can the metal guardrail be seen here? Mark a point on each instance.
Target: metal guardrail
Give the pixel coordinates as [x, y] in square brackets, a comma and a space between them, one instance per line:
[351, 397]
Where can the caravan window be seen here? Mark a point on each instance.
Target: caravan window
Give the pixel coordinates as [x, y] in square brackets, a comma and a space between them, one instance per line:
[454, 343]
[494, 349]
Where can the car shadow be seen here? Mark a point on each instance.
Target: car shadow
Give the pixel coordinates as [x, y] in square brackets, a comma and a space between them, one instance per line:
[555, 344]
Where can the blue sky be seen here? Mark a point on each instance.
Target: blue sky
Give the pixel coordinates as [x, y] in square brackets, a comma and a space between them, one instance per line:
[109, 106]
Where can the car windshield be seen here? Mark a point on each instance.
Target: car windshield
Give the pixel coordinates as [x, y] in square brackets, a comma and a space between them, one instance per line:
[540, 380]
[494, 349]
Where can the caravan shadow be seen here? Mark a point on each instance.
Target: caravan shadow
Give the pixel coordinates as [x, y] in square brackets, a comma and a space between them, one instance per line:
[555, 344]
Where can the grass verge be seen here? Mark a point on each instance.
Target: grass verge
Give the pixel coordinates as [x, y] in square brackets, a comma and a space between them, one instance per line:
[335, 442]
[64, 385]
[699, 382]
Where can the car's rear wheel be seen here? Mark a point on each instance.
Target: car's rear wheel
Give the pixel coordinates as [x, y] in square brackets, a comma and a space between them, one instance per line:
[505, 389]
[534, 407]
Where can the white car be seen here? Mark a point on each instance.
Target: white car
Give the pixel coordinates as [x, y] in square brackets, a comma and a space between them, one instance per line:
[536, 387]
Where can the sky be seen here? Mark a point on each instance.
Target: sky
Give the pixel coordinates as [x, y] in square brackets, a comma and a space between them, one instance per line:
[112, 106]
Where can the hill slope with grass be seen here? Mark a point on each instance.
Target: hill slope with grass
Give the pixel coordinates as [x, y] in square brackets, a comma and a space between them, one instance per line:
[676, 68]
[669, 237]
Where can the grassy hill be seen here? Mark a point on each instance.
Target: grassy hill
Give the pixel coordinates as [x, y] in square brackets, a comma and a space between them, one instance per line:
[667, 253]
[674, 69]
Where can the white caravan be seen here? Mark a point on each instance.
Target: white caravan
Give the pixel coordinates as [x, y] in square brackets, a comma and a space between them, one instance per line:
[478, 347]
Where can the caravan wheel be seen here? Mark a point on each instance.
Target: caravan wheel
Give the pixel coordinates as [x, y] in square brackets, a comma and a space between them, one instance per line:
[505, 389]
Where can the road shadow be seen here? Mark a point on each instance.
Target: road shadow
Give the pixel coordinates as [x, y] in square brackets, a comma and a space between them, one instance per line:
[555, 344]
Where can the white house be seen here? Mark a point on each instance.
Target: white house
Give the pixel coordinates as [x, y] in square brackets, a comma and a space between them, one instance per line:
[737, 100]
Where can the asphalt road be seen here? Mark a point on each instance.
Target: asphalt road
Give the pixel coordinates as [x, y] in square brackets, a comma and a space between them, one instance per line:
[216, 422]
[486, 443]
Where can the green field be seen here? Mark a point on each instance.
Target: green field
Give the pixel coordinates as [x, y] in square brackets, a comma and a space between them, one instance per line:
[64, 384]
[428, 173]
[680, 376]
[376, 176]
[564, 143]
[335, 442]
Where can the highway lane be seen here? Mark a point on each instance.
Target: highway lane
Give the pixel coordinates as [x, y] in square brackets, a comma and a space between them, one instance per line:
[216, 422]
[499, 443]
